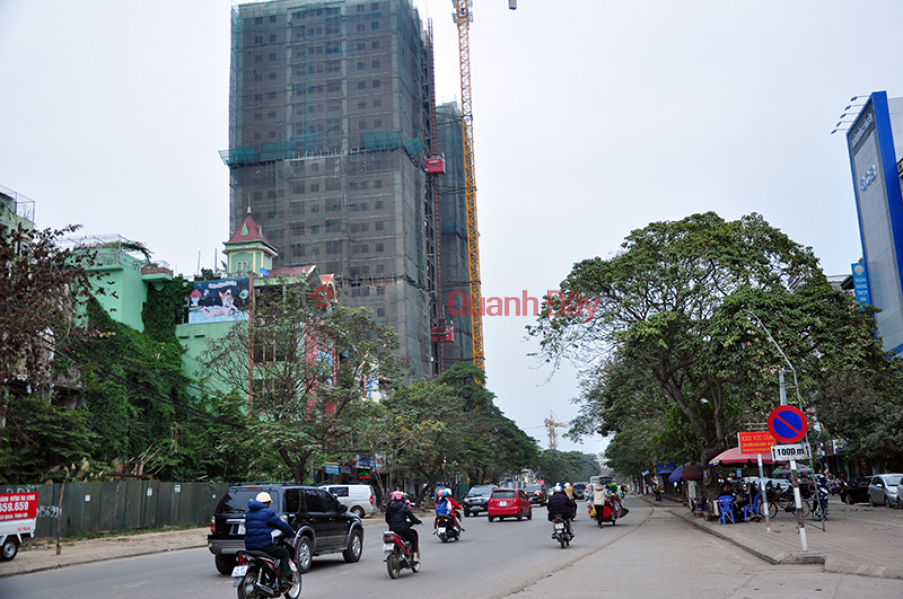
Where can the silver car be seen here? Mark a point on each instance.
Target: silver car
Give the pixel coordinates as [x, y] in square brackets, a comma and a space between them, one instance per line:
[883, 489]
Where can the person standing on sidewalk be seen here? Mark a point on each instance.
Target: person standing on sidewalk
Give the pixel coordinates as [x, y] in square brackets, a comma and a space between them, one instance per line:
[658, 491]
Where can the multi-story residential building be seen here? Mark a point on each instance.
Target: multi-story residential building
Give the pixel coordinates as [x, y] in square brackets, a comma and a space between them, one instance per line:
[331, 120]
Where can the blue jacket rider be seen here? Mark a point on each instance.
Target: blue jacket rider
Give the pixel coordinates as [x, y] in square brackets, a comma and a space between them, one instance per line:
[259, 521]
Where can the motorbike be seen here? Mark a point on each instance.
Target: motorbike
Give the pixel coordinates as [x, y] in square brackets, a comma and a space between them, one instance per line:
[444, 527]
[607, 512]
[399, 555]
[560, 531]
[257, 574]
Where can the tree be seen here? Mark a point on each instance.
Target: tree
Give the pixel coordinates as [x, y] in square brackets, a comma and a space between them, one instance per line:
[565, 466]
[304, 371]
[680, 303]
[41, 285]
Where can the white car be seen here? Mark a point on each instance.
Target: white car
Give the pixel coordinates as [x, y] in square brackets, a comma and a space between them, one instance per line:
[360, 499]
[883, 489]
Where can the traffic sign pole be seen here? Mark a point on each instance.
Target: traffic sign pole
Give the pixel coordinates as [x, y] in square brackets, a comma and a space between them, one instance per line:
[799, 506]
[764, 494]
[789, 425]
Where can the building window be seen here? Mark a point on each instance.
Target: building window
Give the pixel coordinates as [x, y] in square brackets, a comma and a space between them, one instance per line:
[378, 205]
[315, 208]
[377, 103]
[377, 123]
[380, 269]
[258, 58]
[272, 75]
[297, 249]
[334, 226]
[258, 20]
[375, 64]
[378, 183]
[361, 85]
[298, 207]
[272, 55]
[379, 225]
[360, 27]
[381, 312]
[380, 290]
[380, 248]
[375, 82]
[273, 19]
[257, 195]
[314, 187]
[315, 250]
[271, 115]
[241, 267]
[258, 39]
[334, 247]
[258, 116]
[298, 229]
[374, 25]
[271, 195]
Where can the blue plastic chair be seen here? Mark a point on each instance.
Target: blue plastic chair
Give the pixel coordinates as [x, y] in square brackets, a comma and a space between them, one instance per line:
[752, 509]
[726, 507]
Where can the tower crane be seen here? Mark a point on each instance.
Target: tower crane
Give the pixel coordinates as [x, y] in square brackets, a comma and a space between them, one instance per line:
[463, 16]
[552, 424]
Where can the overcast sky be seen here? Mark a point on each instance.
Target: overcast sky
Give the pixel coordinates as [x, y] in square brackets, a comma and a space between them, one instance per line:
[591, 119]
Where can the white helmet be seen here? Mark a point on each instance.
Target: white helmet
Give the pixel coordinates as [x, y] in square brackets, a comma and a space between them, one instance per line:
[264, 497]
[556, 489]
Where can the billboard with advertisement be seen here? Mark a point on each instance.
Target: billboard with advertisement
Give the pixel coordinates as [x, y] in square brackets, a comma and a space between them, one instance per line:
[224, 300]
[879, 205]
[18, 506]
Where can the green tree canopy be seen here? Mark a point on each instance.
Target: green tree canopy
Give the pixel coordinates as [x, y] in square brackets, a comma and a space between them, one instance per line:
[680, 304]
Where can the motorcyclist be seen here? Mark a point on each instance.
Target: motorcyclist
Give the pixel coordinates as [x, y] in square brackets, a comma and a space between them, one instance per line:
[446, 505]
[260, 520]
[562, 505]
[399, 517]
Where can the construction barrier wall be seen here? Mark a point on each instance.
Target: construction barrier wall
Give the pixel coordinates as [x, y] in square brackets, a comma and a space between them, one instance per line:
[110, 506]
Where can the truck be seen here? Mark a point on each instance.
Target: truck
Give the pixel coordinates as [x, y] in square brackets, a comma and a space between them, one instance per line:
[18, 514]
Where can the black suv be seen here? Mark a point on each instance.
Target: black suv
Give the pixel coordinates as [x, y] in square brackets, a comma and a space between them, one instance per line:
[477, 499]
[322, 523]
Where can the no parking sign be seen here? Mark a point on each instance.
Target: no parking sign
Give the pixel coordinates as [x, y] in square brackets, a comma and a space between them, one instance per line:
[788, 424]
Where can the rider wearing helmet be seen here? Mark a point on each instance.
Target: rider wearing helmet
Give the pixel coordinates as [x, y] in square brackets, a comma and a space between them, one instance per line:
[562, 505]
[399, 517]
[260, 520]
[446, 504]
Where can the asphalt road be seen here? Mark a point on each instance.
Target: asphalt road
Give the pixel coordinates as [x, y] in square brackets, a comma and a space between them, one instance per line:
[649, 549]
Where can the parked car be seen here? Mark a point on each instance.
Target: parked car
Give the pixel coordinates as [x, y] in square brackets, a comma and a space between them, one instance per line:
[323, 525]
[883, 489]
[359, 499]
[900, 494]
[509, 503]
[476, 500]
[855, 492]
[537, 494]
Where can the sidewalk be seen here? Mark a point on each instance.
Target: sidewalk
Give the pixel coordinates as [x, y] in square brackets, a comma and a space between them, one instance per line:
[41, 554]
[852, 544]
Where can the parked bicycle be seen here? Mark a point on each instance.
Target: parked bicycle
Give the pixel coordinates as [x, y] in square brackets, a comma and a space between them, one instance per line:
[781, 499]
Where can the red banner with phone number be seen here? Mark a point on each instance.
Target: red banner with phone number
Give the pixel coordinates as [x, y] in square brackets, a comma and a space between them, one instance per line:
[18, 506]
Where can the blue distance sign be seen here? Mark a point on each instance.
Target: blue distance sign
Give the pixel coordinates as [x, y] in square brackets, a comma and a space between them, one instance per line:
[788, 424]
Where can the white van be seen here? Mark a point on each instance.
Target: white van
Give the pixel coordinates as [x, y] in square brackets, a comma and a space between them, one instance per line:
[360, 499]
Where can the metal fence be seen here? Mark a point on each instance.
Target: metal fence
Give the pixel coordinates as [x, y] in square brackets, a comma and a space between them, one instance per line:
[94, 507]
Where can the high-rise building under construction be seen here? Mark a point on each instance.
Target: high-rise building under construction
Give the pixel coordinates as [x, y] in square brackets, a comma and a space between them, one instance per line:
[332, 123]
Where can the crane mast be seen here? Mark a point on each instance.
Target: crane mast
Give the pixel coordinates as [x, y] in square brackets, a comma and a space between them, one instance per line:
[463, 18]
